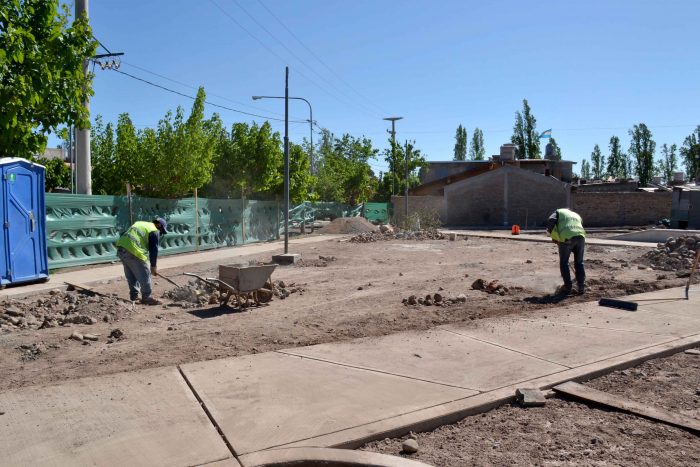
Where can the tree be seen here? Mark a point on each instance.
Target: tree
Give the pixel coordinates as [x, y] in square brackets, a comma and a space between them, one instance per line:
[42, 84]
[300, 179]
[691, 154]
[525, 134]
[617, 163]
[477, 150]
[556, 148]
[668, 163]
[461, 139]
[344, 173]
[250, 160]
[642, 148]
[585, 170]
[597, 163]
[105, 179]
[396, 178]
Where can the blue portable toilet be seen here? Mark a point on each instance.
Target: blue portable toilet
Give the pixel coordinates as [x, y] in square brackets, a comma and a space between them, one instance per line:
[23, 256]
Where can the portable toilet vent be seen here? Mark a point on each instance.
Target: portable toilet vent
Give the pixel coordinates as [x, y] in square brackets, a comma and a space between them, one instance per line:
[23, 256]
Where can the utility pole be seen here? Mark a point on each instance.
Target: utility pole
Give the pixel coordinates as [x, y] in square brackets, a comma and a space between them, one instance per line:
[405, 195]
[393, 145]
[82, 137]
[286, 160]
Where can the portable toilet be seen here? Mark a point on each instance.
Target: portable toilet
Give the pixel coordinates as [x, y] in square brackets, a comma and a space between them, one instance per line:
[23, 256]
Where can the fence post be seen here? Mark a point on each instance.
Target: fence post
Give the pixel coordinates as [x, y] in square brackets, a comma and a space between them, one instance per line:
[196, 220]
[243, 220]
[128, 197]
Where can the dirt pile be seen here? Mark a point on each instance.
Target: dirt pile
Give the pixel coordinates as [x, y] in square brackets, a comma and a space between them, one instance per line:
[676, 254]
[198, 293]
[282, 290]
[349, 225]
[60, 308]
[436, 299]
[419, 235]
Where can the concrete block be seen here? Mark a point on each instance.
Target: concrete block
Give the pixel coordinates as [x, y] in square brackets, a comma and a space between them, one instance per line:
[286, 258]
[530, 397]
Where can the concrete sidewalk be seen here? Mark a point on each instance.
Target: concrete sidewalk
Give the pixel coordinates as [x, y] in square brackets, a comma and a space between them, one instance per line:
[112, 271]
[333, 395]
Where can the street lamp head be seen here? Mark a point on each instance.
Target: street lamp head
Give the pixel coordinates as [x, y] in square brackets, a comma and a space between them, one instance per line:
[255, 98]
[393, 118]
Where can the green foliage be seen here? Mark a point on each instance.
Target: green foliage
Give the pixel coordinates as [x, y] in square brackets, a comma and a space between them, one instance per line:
[344, 174]
[57, 173]
[691, 154]
[617, 160]
[525, 134]
[668, 162]
[461, 139]
[168, 162]
[301, 182]
[477, 150]
[395, 178]
[42, 84]
[598, 168]
[585, 170]
[250, 160]
[556, 148]
[642, 148]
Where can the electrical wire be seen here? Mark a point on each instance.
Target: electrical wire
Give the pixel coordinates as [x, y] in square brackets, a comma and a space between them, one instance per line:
[213, 104]
[291, 52]
[340, 78]
[279, 57]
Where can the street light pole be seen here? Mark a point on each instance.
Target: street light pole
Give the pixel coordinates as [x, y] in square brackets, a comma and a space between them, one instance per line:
[311, 123]
[393, 145]
[286, 160]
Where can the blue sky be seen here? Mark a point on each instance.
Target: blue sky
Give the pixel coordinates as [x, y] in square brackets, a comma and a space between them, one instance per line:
[589, 69]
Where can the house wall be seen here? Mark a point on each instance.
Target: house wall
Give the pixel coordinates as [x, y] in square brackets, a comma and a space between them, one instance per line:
[621, 209]
[503, 197]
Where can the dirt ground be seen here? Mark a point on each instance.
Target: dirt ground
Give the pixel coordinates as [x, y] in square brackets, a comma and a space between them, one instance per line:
[565, 432]
[355, 290]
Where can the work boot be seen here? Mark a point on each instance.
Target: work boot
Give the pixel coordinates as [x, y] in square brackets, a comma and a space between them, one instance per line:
[581, 289]
[564, 290]
[150, 301]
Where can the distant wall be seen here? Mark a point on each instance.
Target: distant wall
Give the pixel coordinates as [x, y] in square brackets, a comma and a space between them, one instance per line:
[620, 209]
[418, 203]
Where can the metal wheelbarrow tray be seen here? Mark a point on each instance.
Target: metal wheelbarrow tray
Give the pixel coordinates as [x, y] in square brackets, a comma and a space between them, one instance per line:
[242, 282]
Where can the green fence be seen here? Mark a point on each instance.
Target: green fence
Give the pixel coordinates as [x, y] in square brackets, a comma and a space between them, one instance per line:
[83, 229]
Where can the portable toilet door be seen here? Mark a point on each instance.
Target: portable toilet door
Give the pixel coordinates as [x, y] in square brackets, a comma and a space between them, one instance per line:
[24, 221]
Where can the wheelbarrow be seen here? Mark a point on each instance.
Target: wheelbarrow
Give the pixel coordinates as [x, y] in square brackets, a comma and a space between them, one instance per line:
[241, 283]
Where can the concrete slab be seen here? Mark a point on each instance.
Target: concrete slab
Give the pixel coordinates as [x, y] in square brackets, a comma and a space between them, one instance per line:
[325, 457]
[435, 356]
[269, 400]
[502, 234]
[557, 343]
[654, 235]
[144, 418]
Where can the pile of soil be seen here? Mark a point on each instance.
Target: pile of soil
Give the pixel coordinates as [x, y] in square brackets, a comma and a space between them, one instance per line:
[349, 225]
[197, 293]
[59, 308]
[436, 299]
[420, 235]
[676, 254]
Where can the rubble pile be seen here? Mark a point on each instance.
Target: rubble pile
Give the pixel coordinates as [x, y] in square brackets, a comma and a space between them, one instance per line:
[386, 232]
[436, 299]
[492, 287]
[59, 308]
[194, 294]
[676, 254]
[282, 290]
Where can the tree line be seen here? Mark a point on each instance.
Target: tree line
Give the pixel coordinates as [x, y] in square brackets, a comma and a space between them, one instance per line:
[184, 153]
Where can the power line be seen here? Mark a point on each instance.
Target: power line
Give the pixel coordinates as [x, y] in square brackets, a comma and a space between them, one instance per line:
[206, 102]
[235, 21]
[340, 78]
[291, 52]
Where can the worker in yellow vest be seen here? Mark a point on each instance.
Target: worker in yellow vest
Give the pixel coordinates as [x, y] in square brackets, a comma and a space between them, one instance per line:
[135, 249]
[566, 229]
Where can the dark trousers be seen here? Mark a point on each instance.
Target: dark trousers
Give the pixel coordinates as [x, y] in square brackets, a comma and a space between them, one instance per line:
[576, 246]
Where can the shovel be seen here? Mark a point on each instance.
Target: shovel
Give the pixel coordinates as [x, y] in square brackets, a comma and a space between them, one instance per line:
[169, 280]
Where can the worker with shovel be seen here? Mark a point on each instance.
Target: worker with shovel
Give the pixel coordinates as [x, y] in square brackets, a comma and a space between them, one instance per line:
[138, 245]
[566, 229]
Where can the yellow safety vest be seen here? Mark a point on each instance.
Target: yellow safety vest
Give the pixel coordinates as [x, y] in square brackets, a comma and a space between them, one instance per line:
[135, 240]
[569, 225]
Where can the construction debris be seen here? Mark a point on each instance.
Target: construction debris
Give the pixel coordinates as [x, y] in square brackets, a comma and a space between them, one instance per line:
[436, 299]
[528, 397]
[390, 234]
[492, 287]
[676, 254]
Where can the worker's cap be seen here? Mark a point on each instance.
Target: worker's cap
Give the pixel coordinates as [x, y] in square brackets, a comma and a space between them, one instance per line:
[163, 225]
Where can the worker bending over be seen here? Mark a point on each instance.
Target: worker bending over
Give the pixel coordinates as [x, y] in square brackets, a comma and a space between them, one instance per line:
[566, 229]
[138, 245]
